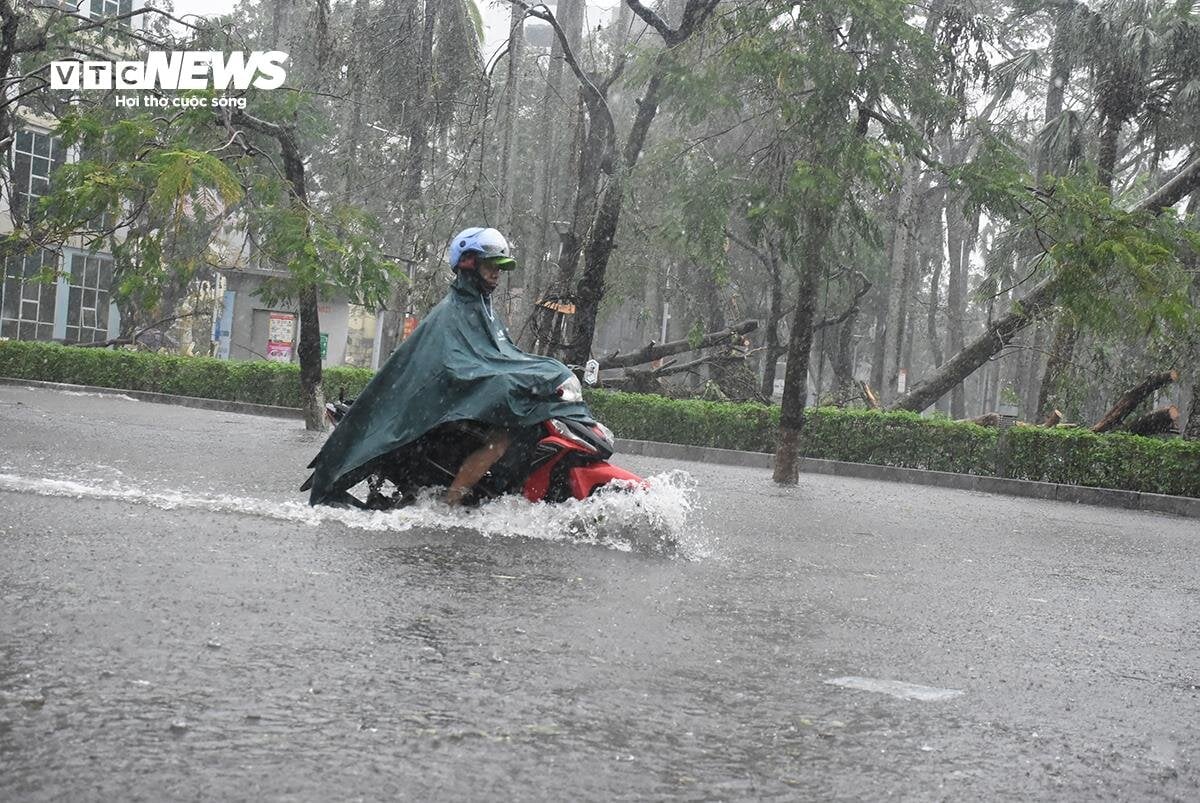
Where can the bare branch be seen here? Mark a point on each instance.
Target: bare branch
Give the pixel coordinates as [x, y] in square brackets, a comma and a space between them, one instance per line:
[592, 94]
[853, 308]
[100, 23]
[654, 21]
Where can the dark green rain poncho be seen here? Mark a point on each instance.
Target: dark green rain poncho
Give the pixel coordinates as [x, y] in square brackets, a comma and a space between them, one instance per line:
[459, 364]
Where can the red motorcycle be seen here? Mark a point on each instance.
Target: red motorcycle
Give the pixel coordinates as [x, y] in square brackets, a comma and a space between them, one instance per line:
[553, 461]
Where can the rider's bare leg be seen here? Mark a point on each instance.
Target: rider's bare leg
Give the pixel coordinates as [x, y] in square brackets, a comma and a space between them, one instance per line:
[477, 464]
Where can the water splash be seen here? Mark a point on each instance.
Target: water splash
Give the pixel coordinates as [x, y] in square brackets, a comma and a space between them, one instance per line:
[98, 394]
[656, 519]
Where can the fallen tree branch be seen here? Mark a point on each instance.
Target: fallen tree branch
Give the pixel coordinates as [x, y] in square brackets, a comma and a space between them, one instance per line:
[1156, 422]
[1132, 398]
[127, 340]
[670, 367]
[869, 397]
[1186, 179]
[1040, 298]
[653, 351]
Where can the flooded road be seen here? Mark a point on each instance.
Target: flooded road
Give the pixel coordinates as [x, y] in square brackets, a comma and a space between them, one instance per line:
[177, 624]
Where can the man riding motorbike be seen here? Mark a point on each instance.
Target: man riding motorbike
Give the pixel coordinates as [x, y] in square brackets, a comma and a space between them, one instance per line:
[458, 368]
[482, 253]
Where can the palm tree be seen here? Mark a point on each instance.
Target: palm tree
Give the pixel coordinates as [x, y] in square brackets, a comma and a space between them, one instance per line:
[1137, 58]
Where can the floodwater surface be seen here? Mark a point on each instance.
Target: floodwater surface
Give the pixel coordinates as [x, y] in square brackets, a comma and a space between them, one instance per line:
[178, 624]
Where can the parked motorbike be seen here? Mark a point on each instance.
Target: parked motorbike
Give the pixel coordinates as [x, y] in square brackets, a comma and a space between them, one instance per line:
[556, 460]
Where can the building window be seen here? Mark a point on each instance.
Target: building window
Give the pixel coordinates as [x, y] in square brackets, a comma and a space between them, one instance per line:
[35, 157]
[111, 8]
[27, 305]
[87, 304]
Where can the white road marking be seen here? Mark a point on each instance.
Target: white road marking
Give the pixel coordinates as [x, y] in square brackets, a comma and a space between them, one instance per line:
[896, 688]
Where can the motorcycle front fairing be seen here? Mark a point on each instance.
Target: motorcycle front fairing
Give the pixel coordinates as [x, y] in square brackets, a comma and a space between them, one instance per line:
[458, 365]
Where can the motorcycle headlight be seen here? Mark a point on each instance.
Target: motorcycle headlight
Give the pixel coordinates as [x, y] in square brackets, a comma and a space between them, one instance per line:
[604, 432]
[570, 390]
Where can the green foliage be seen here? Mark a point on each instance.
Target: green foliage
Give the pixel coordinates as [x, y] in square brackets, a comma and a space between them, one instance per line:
[139, 192]
[997, 180]
[1069, 456]
[155, 191]
[1118, 269]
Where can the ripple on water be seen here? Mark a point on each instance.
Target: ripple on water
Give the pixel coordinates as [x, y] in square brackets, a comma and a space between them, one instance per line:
[657, 519]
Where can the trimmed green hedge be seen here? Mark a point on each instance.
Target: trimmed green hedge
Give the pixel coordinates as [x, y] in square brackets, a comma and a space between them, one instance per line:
[907, 440]
[855, 436]
[1115, 460]
[258, 382]
[1069, 456]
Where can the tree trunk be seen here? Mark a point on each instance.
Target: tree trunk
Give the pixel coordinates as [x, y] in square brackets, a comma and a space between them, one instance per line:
[1132, 398]
[567, 137]
[1061, 62]
[1032, 368]
[959, 244]
[905, 363]
[879, 332]
[555, 166]
[602, 237]
[843, 358]
[931, 318]
[1192, 430]
[898, 271]
[1157, 422]
[1106, 159]
[308, 349]
[795, 380]
[353, 112]
[10, 22]
[990, 393]
[1036, 397]
[1062, 353]
[979, 350]
[595, 158]
[772, 349]
[508, 135]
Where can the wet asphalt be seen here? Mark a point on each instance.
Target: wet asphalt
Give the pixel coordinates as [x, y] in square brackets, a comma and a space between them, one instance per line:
[172, 628]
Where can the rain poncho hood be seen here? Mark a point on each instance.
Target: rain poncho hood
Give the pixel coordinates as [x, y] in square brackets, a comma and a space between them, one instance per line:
[459, 364]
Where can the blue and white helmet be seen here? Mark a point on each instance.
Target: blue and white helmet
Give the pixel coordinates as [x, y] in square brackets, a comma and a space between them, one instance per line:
[488, 243]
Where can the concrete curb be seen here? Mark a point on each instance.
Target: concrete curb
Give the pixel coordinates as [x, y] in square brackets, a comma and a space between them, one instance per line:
[166, 398]
[1105, 497]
